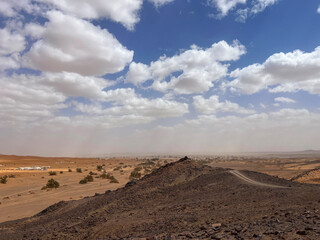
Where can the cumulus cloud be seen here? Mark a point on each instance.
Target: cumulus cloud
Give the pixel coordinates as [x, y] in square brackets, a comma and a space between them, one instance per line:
[11, 8]
[213, 105]
[224, 6]
[284, 100]
[22, 99]
[192, 71]
[286, 72]
[127, 102]
[34, 30]
[122, 11]
[318, 10]
[75, 45]
[75, 85]
[11, 62]
[11, 42]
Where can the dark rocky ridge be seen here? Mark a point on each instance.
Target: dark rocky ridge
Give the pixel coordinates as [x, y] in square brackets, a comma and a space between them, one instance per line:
[182, 200]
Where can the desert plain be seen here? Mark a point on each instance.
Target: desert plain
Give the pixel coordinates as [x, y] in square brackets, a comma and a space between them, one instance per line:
[22, 196]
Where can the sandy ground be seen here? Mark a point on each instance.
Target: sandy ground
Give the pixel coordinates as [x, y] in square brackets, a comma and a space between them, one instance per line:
[22, 196]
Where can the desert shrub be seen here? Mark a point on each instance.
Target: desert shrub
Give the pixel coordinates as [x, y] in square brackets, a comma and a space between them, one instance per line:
[69, 170]
[61, 172]
[113, 180]
[138, 169]
[103, 165]
[121, 163]
[83, 181]
[99, 167]
[165, 162]
[93, 173]
[51, 184]
[105, 176]
[135, 174]
[11, 176]
[117, 168]
[79, 170]
[88, 178]
[3, 180]
[51, 173]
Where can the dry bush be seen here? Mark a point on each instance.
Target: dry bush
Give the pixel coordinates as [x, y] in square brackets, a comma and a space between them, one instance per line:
[51, 184]
[3, 180]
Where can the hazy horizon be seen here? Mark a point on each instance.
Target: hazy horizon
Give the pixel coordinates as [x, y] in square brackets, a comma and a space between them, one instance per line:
[81, 78]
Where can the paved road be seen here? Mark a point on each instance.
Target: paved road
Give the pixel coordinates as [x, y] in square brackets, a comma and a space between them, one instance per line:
[253, 182]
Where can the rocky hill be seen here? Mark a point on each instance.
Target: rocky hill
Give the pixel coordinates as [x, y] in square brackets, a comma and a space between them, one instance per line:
[183, 200]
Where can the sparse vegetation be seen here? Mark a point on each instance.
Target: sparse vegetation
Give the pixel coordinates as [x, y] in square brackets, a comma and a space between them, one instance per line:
[11, 176]
[105, 176]
[79, 170]
[69, 170]
[135, 174]
[138, 169]
[52, 173]
[3, 180]
[110, 177]
[93, 173]
[117, 168]
[61, 172]
[87, 179]
[51, 184]
[99, 167]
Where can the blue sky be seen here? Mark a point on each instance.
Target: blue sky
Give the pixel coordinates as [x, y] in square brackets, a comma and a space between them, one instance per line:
[85, 77]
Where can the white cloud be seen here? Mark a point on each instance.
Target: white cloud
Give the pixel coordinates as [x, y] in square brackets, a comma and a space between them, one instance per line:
[87, 49]
[34, 30]
[242, 15]
[11, 42]
[289, 72]
[144, 109]
[10, 8]
[23, 99]
[192, 71]
[224, 6]
[159, 3]
[127, 102]
[256, 7]
[318, 10]
[122, 11]
[11, 62]
[260, 5]
[75, 85]
[138, 73]
[284, 100]
[212, 105]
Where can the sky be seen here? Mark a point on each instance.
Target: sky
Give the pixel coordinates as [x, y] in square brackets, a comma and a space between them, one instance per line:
[94, 77]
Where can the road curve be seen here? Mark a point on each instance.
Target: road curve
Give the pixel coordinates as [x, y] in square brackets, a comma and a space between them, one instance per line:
[253, 182]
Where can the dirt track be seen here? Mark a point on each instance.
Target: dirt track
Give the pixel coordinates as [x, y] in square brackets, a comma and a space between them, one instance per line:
[253, 182]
